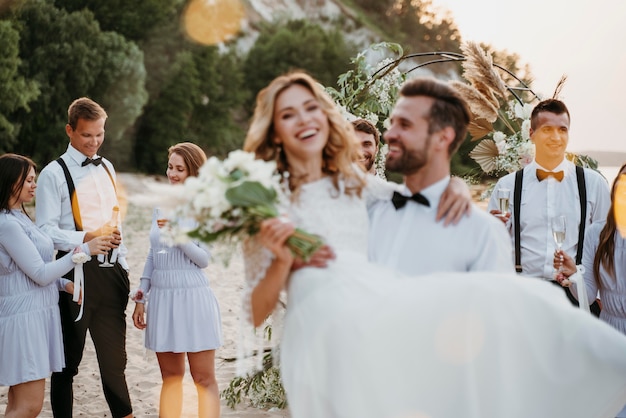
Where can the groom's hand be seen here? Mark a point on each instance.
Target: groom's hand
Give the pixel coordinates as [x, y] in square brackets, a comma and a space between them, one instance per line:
[319, 259]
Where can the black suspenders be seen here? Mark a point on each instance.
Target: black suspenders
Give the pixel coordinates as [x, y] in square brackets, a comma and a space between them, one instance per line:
[582, 193]
[517, 202]
[72, 190]
[517, 196]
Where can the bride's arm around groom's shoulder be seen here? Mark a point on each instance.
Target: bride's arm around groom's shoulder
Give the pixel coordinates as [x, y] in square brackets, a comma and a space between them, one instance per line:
[456, 200]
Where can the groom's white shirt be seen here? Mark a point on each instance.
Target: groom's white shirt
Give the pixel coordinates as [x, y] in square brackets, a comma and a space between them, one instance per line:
[410, 240]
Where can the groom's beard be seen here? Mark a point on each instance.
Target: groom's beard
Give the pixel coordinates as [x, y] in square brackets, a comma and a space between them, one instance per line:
[408, 162]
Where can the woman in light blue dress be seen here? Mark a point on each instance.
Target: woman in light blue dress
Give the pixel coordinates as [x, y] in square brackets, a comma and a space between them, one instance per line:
[183, 315]
[604, 262]
[31, 344]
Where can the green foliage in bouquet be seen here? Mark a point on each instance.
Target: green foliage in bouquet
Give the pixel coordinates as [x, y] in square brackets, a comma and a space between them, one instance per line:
[229, 199]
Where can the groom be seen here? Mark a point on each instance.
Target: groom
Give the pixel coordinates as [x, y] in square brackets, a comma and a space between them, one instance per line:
[428, 124]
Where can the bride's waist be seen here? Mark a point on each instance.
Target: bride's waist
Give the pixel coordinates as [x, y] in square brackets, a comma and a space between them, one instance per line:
[344, 258]
[346, 266]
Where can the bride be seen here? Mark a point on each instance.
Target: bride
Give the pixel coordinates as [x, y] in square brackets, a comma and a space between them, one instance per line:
[360, 340]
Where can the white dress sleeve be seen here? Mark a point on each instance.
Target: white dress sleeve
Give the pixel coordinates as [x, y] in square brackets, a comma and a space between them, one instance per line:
[378, 189]
[24, 254]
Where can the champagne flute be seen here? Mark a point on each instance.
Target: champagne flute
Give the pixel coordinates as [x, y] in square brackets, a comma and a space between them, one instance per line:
[112, 225]
[161, 217]
[558, 233]
[503, 196]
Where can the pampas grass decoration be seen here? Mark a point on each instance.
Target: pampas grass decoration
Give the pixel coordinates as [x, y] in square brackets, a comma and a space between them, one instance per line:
[480, 106]
[478, 68]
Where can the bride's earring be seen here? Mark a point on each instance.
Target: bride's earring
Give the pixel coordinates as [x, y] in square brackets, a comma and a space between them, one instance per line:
[279, 151]
[280, 166]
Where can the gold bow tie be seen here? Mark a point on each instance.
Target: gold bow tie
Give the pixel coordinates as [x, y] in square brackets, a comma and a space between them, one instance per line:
[542, 174]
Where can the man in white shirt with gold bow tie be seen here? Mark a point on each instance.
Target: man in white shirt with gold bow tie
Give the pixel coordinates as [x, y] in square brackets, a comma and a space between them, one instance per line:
[546, 188]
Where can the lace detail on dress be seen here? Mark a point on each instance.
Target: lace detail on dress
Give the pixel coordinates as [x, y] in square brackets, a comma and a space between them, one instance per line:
[342, 222]
[252, 341]
[257, 260]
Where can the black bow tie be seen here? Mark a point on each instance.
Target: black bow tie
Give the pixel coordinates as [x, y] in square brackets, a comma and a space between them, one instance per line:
[399, 200]
[95, 161]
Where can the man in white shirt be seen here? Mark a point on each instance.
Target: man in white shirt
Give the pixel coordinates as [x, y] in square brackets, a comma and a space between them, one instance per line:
[428, 124]
[550, 187]
[75, 201]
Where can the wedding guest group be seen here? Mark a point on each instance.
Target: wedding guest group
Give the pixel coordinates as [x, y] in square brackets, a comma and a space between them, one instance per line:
[342, 319]
[183, 317]
[31, 344]
[76, 198]
[548, 187]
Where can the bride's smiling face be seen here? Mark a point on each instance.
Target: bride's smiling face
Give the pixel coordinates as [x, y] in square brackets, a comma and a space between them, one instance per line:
[300, 124]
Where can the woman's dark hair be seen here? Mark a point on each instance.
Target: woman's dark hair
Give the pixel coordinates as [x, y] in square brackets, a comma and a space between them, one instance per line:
[605, 253]
[14, 169]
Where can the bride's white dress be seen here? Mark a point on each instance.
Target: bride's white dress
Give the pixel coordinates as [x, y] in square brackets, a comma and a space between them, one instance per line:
[362, 341]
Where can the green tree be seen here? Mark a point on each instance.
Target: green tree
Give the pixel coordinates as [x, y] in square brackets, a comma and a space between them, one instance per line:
[122, 88]
[134, 19]
[216, 124]
[165, 120]
[298, 44]
[420, 29]
[377, 7]
[69, 57]
[15, 90]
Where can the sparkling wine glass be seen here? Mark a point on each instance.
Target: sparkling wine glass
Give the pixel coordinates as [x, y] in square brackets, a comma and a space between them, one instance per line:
[503, 196]
[162, 218]
[558, 233]
[112, 225]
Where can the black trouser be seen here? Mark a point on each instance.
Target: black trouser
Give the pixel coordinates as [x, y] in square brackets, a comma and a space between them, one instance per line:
[594, 307]
[105, 299]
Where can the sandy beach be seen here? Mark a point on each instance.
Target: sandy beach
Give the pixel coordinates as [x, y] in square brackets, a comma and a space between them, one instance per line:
[142, 372]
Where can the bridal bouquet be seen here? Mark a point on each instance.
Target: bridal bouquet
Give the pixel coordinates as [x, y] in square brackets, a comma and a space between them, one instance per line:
[229, 199]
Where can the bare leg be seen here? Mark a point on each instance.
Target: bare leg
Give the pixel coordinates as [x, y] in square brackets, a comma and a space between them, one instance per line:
[202, 367]
[172, 371]
[10, 401]
[25, 400]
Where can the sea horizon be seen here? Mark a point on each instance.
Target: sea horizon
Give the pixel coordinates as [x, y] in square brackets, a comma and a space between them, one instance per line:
[609, 172]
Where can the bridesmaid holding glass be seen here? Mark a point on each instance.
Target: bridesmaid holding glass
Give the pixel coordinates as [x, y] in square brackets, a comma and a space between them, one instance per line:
[183, 315]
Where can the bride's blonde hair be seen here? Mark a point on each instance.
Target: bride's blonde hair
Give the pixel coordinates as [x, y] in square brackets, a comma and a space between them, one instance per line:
[341, 149]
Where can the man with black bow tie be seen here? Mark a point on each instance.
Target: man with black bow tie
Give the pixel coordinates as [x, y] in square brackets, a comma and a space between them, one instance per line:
[548, 187]
[75, 201]
[428, 123]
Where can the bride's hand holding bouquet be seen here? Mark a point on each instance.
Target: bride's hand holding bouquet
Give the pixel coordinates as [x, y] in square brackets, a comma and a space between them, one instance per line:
[234, 199]
[273, 235]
